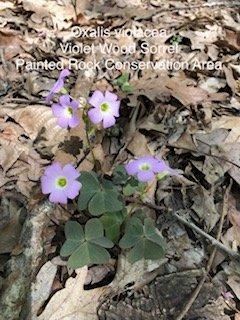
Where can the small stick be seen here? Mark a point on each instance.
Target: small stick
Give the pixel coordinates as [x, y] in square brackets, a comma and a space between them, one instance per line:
[210, 262]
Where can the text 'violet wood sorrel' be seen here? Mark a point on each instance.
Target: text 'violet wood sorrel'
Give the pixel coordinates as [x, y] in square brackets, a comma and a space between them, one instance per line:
[60, 182]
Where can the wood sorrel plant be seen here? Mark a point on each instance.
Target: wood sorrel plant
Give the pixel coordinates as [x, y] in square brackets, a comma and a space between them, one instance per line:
[102, 199]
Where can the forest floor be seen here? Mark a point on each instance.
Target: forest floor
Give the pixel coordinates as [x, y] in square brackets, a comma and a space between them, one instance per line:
[188, 114]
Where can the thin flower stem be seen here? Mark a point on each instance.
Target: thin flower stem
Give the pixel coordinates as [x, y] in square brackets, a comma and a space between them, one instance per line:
[88, 138]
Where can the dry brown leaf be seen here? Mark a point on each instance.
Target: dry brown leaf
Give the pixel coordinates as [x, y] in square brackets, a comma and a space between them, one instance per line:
[228, 122]
[98, 273]
[62, 13]
[74, 303]
[138, 145]
[64, 157]
[27, 171]
[87, 164]
[41, 288]
[191, 95]
[232, 40]
[11, 43]
[232, 237]
[200, 39]
[237, 316]
[164, 86]
[234, 284]
[33, 119]
[203, 205]
[10, 152]
[230, 79]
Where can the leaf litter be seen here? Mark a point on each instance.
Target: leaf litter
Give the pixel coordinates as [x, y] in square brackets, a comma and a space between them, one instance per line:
[191, 119]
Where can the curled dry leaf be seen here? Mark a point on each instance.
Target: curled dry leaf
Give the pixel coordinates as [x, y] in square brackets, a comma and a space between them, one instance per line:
[191, 95]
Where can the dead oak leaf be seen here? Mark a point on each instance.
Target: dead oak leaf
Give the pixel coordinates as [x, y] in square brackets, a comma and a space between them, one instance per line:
[163, 87]
[73, 302]
[191, 95]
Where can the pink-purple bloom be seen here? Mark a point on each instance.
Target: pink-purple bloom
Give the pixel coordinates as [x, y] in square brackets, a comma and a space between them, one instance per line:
[58, 85]
[105, 108]
[60, 182]
[146, 168]
[66, 112]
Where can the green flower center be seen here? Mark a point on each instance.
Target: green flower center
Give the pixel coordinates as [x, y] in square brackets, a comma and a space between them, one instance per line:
[69, 111]
[145, 167]
[62, 182]
[104, 107]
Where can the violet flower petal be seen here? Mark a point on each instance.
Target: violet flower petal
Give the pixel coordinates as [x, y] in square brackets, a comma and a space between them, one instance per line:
[58, 197]
[63, 122]
[96, 99]
[73, 189]
[52, 182]
[108, 120]
[145, 176]
[115, 108]
[109, 96]
[65, 100]
[73, 122]
[95, 115]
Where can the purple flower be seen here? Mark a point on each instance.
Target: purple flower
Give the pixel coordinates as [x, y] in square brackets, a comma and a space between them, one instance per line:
[60, 182]
[58, 85]
[66, 112]
[146, 167]
[105, 108]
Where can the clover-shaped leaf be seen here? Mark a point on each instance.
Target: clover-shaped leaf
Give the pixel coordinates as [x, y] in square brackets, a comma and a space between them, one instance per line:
[87, 247]
[143, 240]
[112, 223]
[123, 83]
[98, 198]
[90, 185]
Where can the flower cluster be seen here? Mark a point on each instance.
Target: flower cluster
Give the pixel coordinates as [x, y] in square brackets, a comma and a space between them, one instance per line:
[62, 182]
[105, 106]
